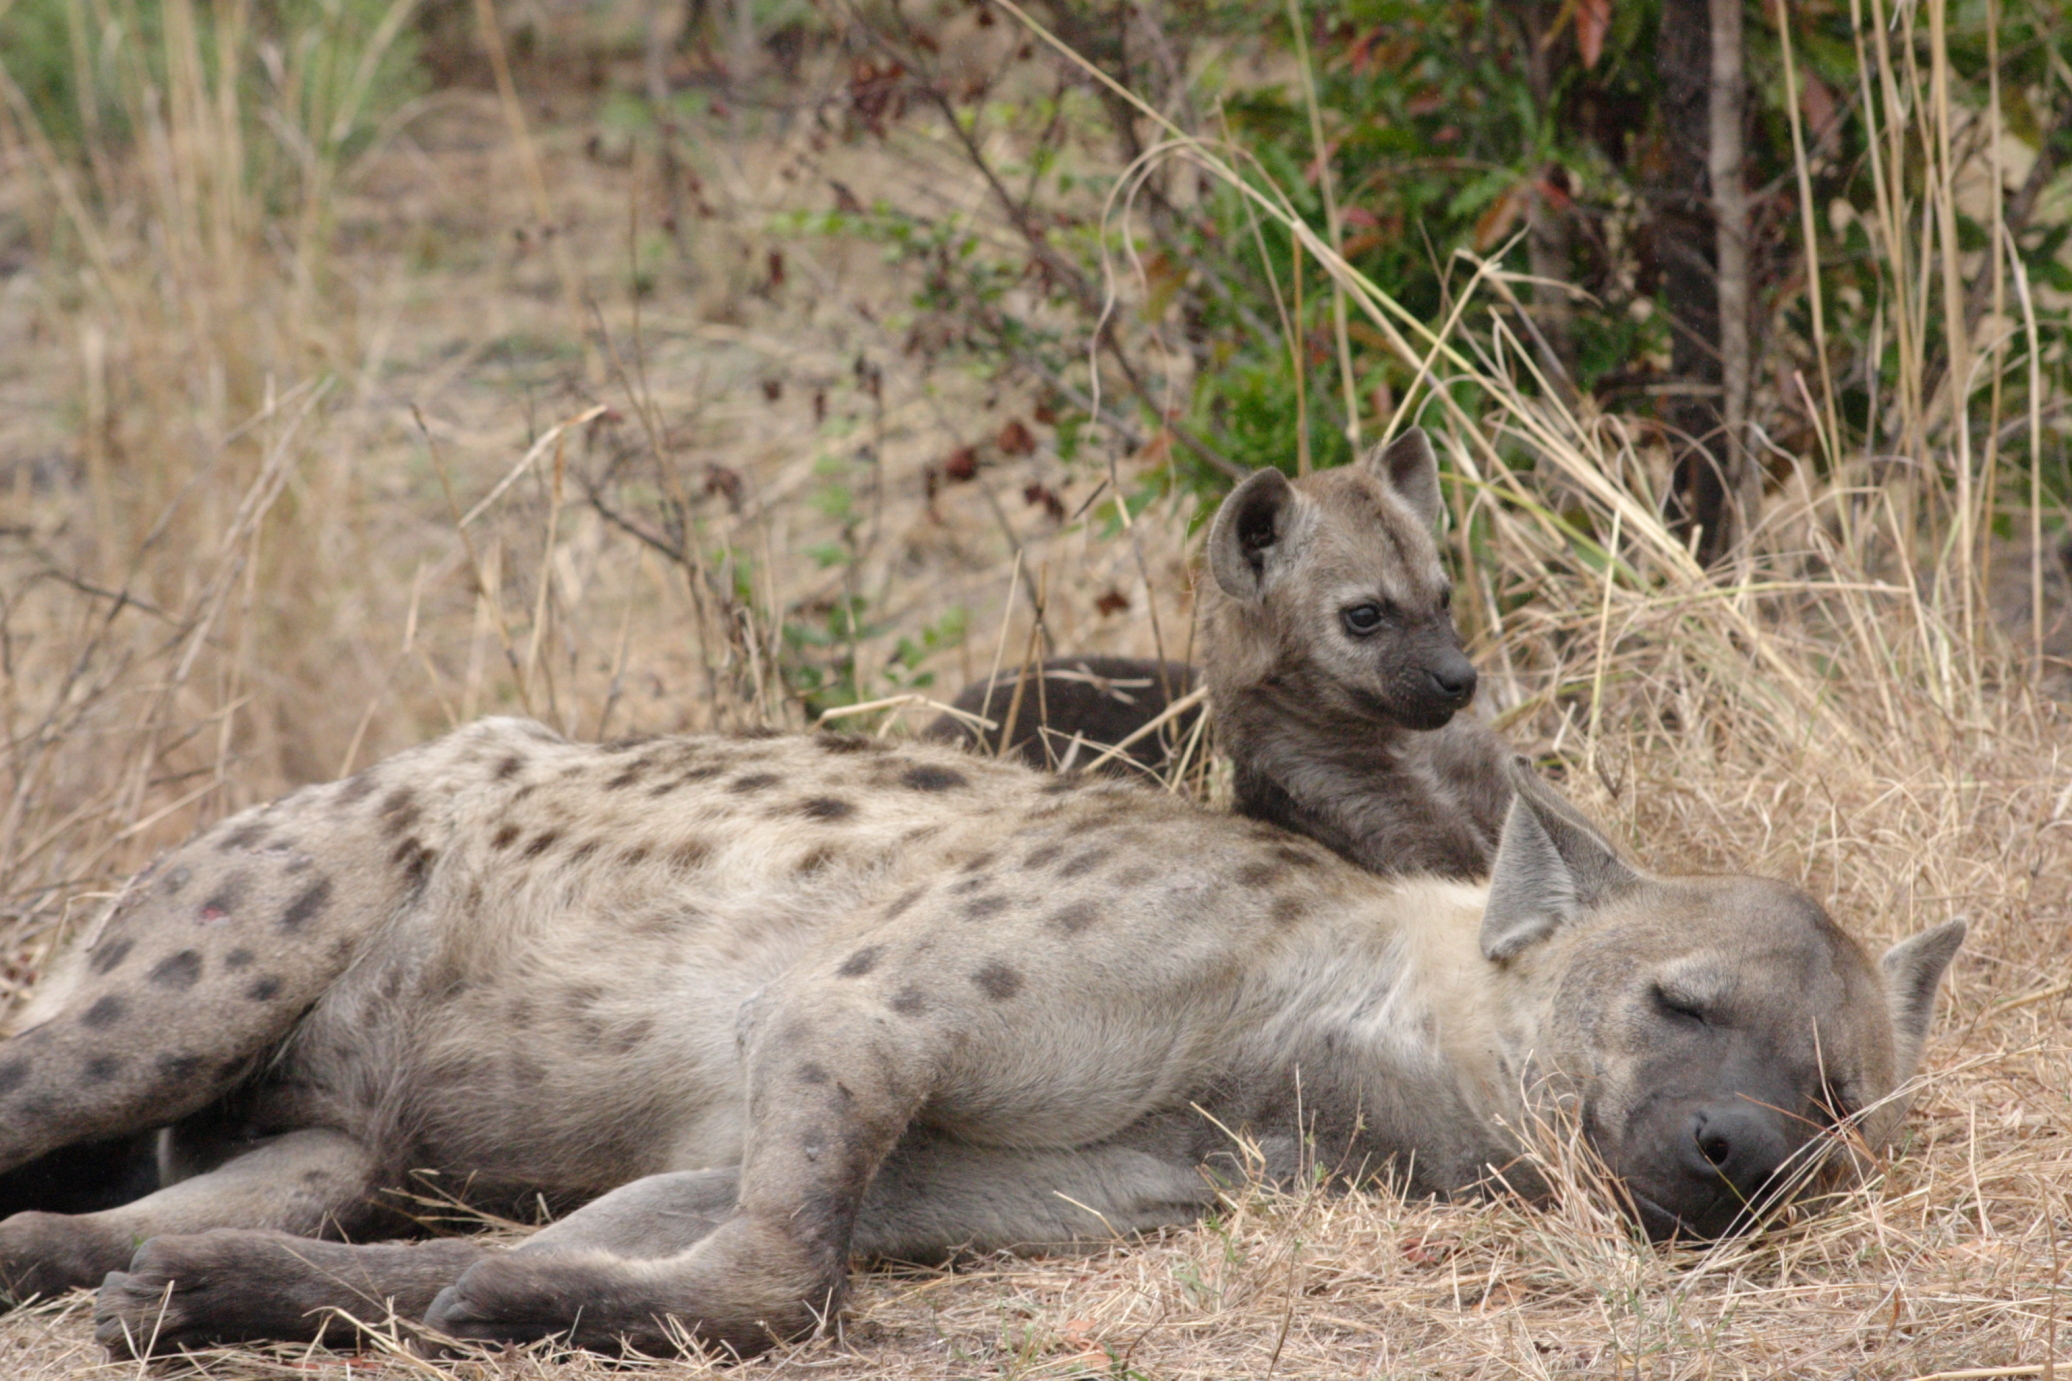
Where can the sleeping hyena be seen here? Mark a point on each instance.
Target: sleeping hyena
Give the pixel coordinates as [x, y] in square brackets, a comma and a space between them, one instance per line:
[1336, 679]
[783, 1001]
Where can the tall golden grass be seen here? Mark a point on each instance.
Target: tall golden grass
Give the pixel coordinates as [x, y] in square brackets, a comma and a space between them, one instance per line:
[287, 536]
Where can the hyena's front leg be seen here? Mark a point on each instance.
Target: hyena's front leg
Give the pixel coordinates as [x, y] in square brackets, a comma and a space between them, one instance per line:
[303, 1182]
[831, 1087]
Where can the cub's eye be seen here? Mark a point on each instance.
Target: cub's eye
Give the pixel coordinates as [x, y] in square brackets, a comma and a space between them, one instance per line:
[1362, 619]
[1679, 1006]
[1446, 597]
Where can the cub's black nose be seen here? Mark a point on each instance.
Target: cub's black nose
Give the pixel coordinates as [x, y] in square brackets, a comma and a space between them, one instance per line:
[1454, 679]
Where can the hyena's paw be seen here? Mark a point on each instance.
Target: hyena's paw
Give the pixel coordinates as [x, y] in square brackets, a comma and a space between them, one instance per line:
[43, 1254]
[194, 1290]
[589, 1300]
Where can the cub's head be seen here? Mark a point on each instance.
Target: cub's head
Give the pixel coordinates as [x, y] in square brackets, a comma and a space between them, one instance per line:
[1720, 1039]
[1332, 586]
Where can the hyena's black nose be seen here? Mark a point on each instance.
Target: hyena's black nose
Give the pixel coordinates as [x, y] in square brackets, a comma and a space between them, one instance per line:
[1738, 1142]
[1454, 678]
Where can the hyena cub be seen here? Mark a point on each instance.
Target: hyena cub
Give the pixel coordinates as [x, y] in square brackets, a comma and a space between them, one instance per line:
[1337, 684]
[776, 1003]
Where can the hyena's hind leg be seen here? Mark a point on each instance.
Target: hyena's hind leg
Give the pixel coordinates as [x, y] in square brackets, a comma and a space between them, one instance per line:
[305, 1182]
[234, 1287]
[229, 1286]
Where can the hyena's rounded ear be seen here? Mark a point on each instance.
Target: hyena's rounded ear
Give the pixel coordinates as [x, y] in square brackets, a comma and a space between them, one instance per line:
[1408, 466]
[1252, 523]
[1913, 971]
[1551, 866]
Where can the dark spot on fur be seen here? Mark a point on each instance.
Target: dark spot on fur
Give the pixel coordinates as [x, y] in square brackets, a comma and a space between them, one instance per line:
[12, 1074]
[931, 778]
[634, 857]
[1082, 863]
[905, 903]
[417, 866]
[503, 837]
[510, 767]
[356, 787]
[1134, 875]
[695, 774]
[978, 863]
[105, 1013]
[399, 811]
[178, 971]
[692, 853]
[101, 1068]
[264, 989]
[979, 908]
[1060, 786]
[243, 837]
[547, 839]
[584, 850]
[909, 1002]
[760, 731]
[754, 781]
[628, 744]
[817, 859]
[1294, 857]
[518, 1012]
[1286, 911]
[629, 1039]
[850, 743]
[239, 958]
[105, 959]
[1043, 857]
[828, 808]
[632, 773]
[1261, 874]
[997, 981]
[178, 1069]
[1074, 918]
[175, 880]
[859, 963]
[966, 886]
[312, 903]
[225, 899]
[810, 1073]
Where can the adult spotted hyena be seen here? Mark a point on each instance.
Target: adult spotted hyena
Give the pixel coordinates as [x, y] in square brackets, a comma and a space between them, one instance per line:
[1337, 682]
[783, 1001]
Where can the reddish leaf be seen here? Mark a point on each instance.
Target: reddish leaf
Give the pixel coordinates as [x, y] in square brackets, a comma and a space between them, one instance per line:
[1112, 601]
[1040, 493]
[773, 389]
[1016, 439]
[1502, 216]
[961, 465]
[1593, 18]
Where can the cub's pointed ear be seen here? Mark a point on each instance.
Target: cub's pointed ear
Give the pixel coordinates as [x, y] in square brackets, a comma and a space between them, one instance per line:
[1251, 529]
[1551, 866]
[1407, 466]
[1913, 972]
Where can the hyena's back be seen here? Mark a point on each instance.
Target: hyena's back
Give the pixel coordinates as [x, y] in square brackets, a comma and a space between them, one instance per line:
[500, 951]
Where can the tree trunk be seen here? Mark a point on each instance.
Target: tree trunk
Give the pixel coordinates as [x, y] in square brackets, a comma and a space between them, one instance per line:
[1685, 241]
[1726, 165]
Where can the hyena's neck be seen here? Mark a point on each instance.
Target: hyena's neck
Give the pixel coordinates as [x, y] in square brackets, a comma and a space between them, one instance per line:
[1365, 789]
[1390, 1046]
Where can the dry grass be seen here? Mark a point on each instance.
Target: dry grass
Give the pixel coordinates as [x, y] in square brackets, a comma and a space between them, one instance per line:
[234, 460]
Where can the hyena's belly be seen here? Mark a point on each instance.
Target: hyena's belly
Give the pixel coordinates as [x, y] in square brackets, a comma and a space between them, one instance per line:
[566, 1030]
